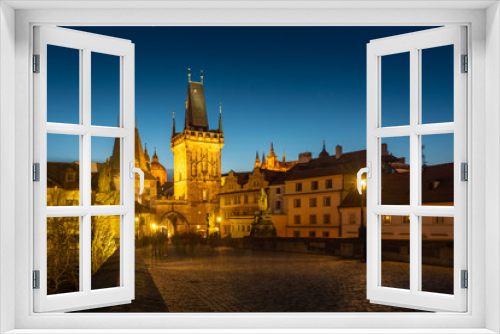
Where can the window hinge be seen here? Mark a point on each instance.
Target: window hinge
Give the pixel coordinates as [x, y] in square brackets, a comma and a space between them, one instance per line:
[465, 64]
[464, 172]
[36, 63]
[36, 172]
[465, 279]
[36, 279]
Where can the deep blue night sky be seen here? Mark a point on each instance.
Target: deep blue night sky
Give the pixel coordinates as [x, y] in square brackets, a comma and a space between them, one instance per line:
[295, 86]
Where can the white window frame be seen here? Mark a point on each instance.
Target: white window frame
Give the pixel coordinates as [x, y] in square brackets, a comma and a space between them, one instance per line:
[379, 214]
[483, 20]
[85, 43]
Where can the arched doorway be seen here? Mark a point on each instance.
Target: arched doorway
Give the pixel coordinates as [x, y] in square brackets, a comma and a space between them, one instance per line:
[174, 223]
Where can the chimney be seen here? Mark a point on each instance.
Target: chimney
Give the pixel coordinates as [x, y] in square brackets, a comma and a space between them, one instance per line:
[338, 151]
[384, 149]
[305, 157]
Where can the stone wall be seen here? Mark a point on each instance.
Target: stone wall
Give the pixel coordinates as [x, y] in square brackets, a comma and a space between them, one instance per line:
[435, 252]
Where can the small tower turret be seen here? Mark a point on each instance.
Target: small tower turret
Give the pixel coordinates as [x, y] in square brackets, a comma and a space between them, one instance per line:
[324, 153]
[173, 124]
[220, 117]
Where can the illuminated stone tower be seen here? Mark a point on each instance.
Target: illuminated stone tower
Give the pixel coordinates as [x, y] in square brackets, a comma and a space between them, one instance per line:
[197, 155]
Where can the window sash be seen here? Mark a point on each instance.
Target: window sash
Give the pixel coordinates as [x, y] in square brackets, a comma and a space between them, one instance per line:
[375, 211]
[86, 297]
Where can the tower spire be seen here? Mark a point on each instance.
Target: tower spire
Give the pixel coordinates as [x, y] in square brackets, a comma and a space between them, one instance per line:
[257, 160]
[220, 117]
[324, 153]
[201, 76]
[271, 154]
[173, 124]
[283, 156]
[189, 74]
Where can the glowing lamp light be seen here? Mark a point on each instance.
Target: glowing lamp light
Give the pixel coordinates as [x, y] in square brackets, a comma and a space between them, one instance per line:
[136, 219]
[155, 227]
[219, 219]
[198, 226]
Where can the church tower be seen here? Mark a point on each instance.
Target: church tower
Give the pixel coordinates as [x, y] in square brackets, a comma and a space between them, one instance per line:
[197, 155]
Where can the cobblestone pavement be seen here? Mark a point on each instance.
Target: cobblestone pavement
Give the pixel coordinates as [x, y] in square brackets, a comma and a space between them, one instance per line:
[246, 281]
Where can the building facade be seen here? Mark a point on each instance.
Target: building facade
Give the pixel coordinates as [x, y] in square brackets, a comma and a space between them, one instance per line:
[239, 200]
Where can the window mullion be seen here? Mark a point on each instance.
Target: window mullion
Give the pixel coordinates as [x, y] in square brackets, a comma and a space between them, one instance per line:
[86, 166]
[414, 169]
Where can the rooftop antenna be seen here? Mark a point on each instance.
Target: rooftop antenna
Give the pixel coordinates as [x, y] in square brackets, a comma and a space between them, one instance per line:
[189, 74]
[201, 76]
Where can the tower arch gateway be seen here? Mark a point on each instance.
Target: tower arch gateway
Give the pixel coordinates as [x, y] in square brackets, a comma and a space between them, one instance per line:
[174, 222]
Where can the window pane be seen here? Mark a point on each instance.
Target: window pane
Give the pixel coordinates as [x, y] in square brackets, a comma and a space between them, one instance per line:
[106, 176]
[105, 252]
[63, 255]
[437, 84]
[395, 90]
[395, 153]
[105, 89]
[437, 169]
[63, 85]
[63, 170]
[437, 254]
[395, 231]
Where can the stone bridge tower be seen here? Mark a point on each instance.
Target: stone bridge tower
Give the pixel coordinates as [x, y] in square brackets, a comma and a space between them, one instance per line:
[197, 159]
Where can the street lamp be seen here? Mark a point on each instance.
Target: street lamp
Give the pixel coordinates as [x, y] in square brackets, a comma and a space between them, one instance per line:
[219, 219]
[362, 227]
[208, 226]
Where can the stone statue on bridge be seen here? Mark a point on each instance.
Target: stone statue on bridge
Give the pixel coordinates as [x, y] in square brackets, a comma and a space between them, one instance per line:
[263, 225]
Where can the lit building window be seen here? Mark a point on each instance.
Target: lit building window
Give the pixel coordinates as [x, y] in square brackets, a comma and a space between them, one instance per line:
[205, 195]
[352, 218]
[386, 220]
